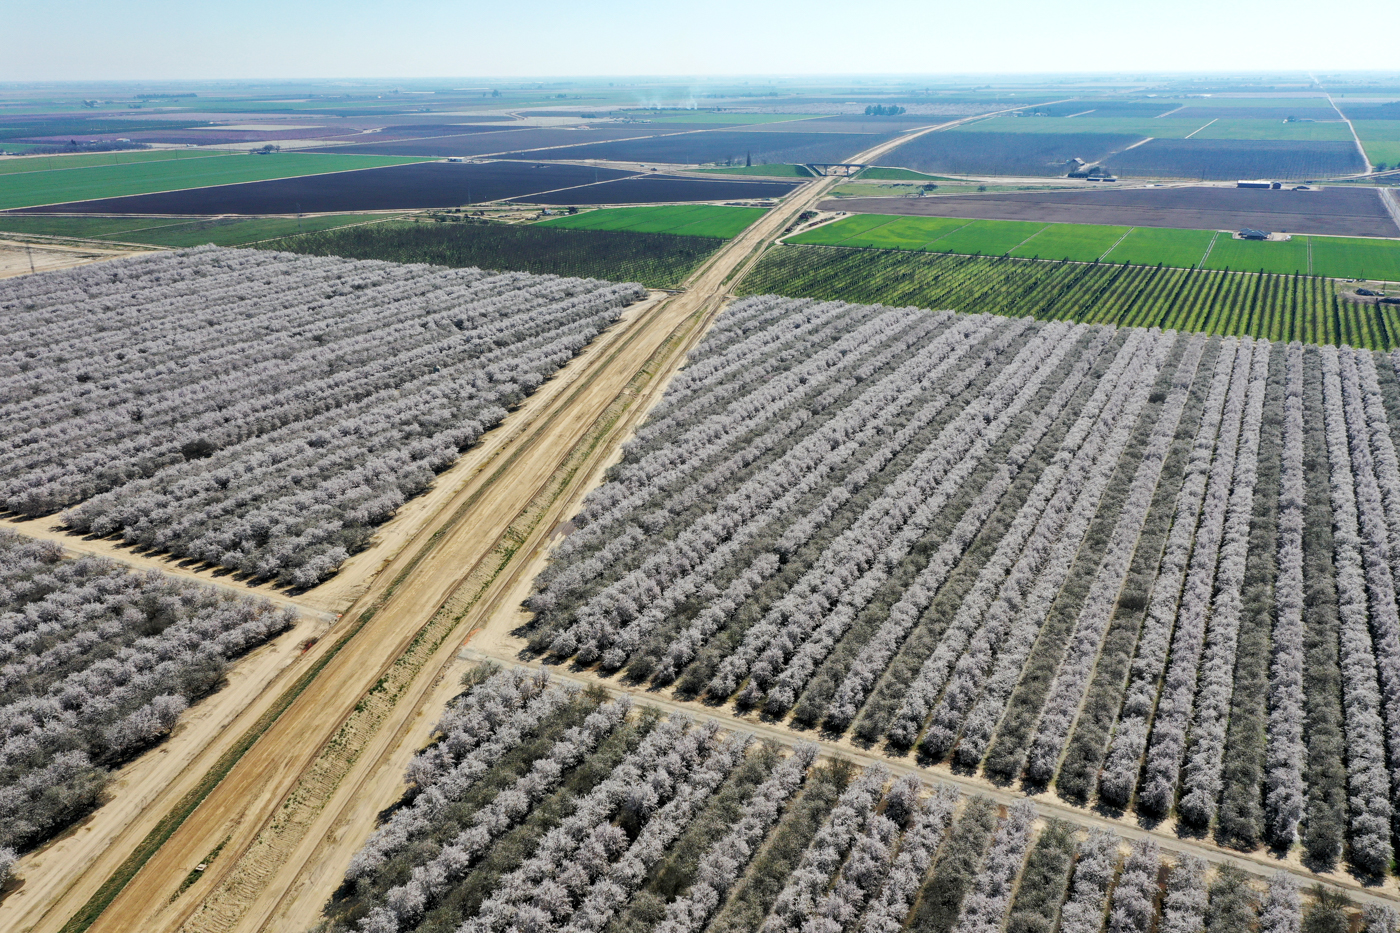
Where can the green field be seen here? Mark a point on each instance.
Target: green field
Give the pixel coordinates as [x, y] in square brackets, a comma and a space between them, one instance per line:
[772, 171]
[706, 220]
[1149, 246]
[878, 173]
[50, 163]
[29, 189]
[1381, 140]
[225, 231]
[1285, 258]
[1276, 129]
[986, 237]
[1076, 242]
[1352, 258]
[1276, 307]
[1341, 257]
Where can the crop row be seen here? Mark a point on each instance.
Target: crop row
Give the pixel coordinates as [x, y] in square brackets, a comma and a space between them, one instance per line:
[96, 665]
[262, 411]
[1067, 555]
[1273, 307]
[545, 809]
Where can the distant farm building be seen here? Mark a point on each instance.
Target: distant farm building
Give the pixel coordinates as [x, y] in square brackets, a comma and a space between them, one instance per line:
[1249, 233]
[1256, 183]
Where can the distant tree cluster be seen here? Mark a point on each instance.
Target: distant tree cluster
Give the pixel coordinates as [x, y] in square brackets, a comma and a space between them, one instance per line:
[96, 664]
[1151, 570]
[883, 110]
[544, 809]
[261, 411]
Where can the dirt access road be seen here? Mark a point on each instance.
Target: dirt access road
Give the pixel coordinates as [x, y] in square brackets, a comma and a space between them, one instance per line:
[505, 652]
[285, 793]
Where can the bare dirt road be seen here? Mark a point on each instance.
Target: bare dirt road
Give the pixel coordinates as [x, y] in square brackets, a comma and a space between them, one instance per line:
[505, 650]
[288, 789]
[23, 258]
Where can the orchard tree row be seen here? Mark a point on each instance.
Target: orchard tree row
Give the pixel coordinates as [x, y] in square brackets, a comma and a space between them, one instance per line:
[263, 411]
[1066, 556]
[96, 665]
[541, 808]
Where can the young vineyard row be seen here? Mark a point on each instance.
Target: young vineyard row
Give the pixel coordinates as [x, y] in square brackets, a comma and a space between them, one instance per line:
[96, 665]
[543, 809]
[1061, 554]
[264, 411]
[657, 260]
[1273, 307]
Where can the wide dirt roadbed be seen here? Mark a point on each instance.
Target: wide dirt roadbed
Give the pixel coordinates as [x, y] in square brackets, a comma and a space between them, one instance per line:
[1324, 211]
[293, 795]
[24, 258]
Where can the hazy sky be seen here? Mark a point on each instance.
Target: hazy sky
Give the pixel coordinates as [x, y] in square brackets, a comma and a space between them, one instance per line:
[111, 39]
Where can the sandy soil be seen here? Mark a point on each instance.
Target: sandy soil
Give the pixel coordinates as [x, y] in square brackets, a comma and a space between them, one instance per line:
[477, 510]
[16, 257]
[155, 781]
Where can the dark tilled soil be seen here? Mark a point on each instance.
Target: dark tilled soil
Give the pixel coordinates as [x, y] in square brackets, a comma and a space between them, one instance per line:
[647, 188]
[1334, 211]
[499, 139]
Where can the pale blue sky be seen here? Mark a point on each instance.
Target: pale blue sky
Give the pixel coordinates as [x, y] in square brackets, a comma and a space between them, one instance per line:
[112, 39]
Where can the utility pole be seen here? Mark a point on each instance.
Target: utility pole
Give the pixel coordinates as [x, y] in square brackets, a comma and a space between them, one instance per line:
[30, 252]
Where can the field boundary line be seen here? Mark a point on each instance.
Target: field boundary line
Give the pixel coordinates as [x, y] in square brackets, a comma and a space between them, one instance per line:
[1355, 137]
[1390, 199]
[587, 184]
[288, 236]
[1169, 112]
[940, 237]
[1117, 244]
[205, 153]
[1198, 129]
[1201, 263]
[413, 160]
[1028, 239]
[1310, 272]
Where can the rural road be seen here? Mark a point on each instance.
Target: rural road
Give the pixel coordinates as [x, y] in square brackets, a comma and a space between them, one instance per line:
[287, 789]
[1047, 805]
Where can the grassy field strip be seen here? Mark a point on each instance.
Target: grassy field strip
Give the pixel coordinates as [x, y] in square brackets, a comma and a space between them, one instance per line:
[1105, 253]
[1336, 257]
[706, 220]
[59, 163]
[33, 189]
